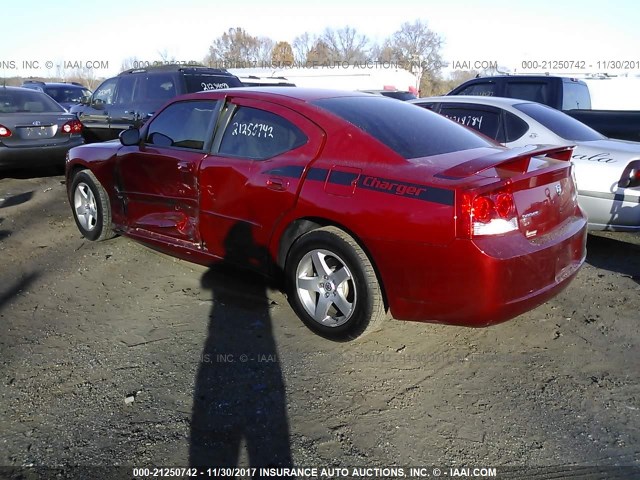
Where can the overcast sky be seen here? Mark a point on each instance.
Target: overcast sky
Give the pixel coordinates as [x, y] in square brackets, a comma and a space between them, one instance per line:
[493, 30]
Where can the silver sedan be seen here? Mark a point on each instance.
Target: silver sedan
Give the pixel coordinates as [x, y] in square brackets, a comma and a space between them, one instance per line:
[607, 171]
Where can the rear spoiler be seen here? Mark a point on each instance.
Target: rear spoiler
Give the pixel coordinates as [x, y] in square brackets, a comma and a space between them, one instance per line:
[515, 159]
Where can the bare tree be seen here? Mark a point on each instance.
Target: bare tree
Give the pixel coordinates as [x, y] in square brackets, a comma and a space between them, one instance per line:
[85, 76]
[302, 45]
[264, 50]
[346, 44]
[417, 48]
[416, 43]
[129, 63]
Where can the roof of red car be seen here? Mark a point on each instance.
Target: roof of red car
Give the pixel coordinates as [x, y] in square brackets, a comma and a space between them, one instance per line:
[297, 93]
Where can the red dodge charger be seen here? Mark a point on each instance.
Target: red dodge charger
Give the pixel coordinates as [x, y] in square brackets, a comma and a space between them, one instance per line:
[360, 204]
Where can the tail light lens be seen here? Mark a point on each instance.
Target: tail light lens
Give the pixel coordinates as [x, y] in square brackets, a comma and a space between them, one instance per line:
[487, 213]
[631, 175]
[4, 132]
[72, 126]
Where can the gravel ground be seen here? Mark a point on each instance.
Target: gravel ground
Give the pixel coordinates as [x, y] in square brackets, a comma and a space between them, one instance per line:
[113, 354]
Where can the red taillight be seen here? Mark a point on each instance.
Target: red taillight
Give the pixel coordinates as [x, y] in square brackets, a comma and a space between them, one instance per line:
[482, 207]
[487, 213]
[631, 175]
[504, 205]
[4, 132]
[72, 126]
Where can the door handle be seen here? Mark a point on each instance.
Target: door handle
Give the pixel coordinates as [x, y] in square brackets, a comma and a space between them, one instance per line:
[277, 184]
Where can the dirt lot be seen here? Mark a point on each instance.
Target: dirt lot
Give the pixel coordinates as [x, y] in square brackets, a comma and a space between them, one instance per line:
[110, 353]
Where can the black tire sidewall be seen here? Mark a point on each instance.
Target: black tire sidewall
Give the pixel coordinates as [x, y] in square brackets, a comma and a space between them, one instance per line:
[82, 177]
[323, 240]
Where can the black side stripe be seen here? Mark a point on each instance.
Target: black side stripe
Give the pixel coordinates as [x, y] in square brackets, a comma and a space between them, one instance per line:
[416, 191]
[408, 190]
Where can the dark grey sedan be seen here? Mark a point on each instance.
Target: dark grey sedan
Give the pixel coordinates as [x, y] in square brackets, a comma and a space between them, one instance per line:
[34, 129]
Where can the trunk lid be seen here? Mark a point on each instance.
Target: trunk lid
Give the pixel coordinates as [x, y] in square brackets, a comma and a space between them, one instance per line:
[35, 129]
[530, 189]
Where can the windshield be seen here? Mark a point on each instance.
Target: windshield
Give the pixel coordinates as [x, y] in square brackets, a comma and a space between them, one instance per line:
[67, 94]
[559, 123]
[26, 101]
[410, 131]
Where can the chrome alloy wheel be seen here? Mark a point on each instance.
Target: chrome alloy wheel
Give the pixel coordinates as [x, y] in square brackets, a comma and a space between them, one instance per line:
[326, 288]
[85, 207]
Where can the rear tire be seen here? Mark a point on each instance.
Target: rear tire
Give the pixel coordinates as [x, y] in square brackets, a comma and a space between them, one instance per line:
[332, 285]
[91, 207]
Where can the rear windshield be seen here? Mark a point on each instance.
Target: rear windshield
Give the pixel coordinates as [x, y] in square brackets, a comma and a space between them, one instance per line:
[27, 101]
[409, 130]
[202, 82]
[559, 123]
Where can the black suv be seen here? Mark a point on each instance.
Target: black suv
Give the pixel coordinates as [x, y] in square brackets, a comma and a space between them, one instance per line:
[134, 95]
[66, 94]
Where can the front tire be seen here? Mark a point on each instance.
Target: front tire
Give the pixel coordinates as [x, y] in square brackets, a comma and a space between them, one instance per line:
[91, 207]
[332, 285]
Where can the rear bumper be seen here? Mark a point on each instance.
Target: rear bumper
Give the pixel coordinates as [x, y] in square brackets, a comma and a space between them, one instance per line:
[26, 157]
[481, 282]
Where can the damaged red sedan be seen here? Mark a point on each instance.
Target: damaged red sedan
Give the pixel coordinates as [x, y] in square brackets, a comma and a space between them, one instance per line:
[360, 204]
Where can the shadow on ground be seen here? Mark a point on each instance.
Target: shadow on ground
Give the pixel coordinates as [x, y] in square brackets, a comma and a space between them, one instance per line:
[239, 408]
[615, 255]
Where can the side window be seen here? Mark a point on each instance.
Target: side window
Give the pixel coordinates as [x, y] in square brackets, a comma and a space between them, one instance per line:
[124, 95]
[533, 91]
[186, 124]
[575, 96]
[258, 134]
[484, 121]
[429, 106]
[104, 93]
[485, 89]
[160, 87]
[514, 127]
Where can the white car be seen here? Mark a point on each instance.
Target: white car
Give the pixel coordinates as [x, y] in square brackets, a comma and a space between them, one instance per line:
[607, 171]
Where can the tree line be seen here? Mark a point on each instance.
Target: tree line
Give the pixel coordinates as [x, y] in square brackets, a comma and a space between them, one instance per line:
[414, 46]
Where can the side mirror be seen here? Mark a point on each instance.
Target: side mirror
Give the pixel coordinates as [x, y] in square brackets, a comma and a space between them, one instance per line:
[98, 104]
[85, 100]
[130, 137]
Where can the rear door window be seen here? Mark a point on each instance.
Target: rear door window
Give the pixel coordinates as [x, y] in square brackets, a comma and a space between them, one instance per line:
[485, 120]
[257, 134]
